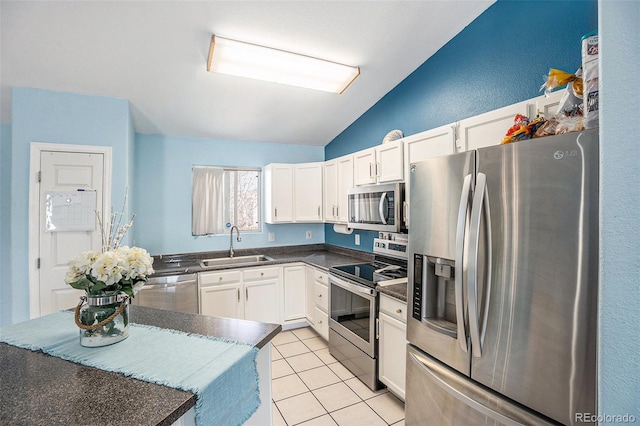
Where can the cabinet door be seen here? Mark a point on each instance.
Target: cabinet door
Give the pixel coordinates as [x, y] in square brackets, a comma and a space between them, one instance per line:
[261, 301]
[393, 346]
[421, 146]
[321, 323]
[279, 193]
[345, 182]
[489, 128]
[309, 296]
[294, 292]
[222, 301]
[389, 161]
[330, 201]
[547, 107]
[364, 163]
[308, 192]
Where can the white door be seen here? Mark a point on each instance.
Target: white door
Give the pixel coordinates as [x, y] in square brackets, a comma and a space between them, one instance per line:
[65, 172]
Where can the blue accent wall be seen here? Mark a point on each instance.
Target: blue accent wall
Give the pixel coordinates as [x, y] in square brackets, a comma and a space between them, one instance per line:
[499, 59]
[163, 191]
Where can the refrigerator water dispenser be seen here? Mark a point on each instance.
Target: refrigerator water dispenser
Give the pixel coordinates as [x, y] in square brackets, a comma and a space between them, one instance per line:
[434, 294]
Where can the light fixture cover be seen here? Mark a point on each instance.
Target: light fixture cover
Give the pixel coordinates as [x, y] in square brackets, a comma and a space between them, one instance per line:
[242, 59]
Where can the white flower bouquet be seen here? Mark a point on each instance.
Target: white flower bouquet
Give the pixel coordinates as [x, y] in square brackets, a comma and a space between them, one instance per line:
[116, 269]
[122, 269]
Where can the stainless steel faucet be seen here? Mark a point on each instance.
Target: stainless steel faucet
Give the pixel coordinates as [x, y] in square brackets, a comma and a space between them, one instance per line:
[231, 239]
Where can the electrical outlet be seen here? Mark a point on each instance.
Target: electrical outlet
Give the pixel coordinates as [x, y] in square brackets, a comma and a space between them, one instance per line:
[272, 236]
[357, 239]
[309, 235]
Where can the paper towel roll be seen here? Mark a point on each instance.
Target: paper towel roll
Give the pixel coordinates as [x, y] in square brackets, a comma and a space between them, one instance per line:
[342, 229]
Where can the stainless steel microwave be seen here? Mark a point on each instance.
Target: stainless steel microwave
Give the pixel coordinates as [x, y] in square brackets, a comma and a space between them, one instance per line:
[377, 207]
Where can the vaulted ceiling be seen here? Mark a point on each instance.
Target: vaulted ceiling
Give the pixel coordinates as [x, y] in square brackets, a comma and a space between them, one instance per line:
[154, 54]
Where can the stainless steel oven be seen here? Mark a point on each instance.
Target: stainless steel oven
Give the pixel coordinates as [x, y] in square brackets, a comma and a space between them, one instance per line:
[353, 308]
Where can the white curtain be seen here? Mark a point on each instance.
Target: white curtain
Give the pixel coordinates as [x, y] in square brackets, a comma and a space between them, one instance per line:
[208, 201]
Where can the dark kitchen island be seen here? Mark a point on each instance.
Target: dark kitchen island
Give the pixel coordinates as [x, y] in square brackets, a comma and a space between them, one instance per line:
[38, 389]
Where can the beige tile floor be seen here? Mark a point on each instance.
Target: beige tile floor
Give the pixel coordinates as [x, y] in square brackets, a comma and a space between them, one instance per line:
[310, 388]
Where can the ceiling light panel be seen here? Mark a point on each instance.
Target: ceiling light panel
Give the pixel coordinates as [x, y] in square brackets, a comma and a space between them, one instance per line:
[227, 56]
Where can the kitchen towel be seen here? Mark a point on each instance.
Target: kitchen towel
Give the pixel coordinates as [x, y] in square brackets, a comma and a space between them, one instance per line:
[221, 373]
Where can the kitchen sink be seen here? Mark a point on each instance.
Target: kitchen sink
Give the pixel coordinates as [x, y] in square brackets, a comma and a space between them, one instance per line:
[237, 260]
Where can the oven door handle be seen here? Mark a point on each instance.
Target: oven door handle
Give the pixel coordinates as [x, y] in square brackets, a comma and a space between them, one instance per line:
[355, 288]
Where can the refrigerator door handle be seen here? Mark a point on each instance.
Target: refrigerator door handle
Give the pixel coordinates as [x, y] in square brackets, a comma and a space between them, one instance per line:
[381, 208]
[480, 206]
[458, 270]
[452, 385]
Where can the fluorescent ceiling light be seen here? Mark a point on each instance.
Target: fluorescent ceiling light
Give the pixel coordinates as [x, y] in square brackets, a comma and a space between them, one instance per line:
[233, 57]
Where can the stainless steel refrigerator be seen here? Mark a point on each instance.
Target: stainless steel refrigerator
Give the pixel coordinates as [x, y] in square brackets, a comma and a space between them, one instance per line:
[503, 273]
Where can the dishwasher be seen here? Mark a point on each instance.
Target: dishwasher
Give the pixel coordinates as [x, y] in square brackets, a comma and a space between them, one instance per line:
[171, 292]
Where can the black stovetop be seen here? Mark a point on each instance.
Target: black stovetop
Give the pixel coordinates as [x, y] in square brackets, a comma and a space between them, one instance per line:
[365, 273]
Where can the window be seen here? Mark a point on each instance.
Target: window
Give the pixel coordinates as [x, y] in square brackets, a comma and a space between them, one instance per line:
[223, 197]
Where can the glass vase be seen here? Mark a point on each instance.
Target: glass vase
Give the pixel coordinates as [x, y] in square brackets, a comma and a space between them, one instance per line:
[103, 320]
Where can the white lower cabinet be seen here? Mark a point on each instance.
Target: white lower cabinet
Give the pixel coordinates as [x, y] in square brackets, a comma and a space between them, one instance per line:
[295, 279]
[252, 294]
[392, 335]
[318, 301]
[222, 301]
[262, 295]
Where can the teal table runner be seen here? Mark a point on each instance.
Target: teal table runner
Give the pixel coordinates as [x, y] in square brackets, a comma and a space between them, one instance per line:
[221, 373]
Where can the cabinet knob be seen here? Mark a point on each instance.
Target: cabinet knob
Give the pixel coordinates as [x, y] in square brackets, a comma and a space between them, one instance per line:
[261, 273]
[398, 311]
[320, 295]
[320, 276]
[319, 321]
[219, 278]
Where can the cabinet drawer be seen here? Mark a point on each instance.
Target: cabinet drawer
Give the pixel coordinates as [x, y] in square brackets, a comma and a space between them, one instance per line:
[321, 276]
[214, 278]
[393, 307]
[321, 296]
[321, 323]
[253, 274]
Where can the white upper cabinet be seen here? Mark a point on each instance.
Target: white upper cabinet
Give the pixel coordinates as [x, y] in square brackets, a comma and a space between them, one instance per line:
[379, 164]
[293, 192]
[330, 190]
[338, 179]
[489, 128]
[424, 145]
[307, 193]
[364, 163]
[547, 107]
[278, 183]
[345, 182]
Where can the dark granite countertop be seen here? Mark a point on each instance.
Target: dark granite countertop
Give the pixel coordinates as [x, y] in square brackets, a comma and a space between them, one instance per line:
[318, 255]
[38, 389]
[397, 291]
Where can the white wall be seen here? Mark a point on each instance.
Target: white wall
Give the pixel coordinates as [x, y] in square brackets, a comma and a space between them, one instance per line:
[619, 310]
